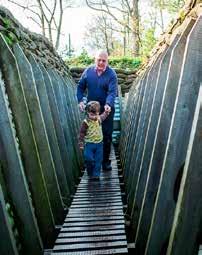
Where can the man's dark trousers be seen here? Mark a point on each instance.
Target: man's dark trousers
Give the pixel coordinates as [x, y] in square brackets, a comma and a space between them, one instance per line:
[107, 129]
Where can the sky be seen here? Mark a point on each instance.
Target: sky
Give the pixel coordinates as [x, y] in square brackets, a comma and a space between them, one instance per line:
[75, 21]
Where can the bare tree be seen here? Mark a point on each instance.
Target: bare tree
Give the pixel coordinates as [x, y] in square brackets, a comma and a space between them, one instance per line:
[47, 14]
[165, 6]
[125, 13]
[105, 33]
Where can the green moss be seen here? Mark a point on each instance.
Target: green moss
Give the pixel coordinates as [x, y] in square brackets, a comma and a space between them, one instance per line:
[8, 33]
[6, 23]
[11, 218]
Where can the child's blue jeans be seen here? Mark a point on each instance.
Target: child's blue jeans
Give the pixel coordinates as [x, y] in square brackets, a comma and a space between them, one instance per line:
[93, 155]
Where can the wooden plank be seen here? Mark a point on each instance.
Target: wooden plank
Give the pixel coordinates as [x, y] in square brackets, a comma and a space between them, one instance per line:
[73, 136]
[41, 138]
[86, 198]
[14, 176]
[101, 196]
[153, 159]
[104, 181]
[176, 149]
[100, 192]
[97, 205]
[109, 183]
[92, 185]
[66, 97]
[97, 191]
[94, 218]
[90, 239]
[99, 186]
[58, 127]
[142, 131]
[50, 129]
[98, 201]
[93, 223]
[91, 252]
[64, 123]
[95, 210]
[92, 228]
[106, 175]
[92, 233]
[140, 126]
[147, 142]
[102, 213]
[29, 149]
[87, 246]
[106, 178]
[187, 219]
[70, 92]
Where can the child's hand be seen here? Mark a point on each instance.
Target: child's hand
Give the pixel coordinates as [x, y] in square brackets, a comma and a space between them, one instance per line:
[81, 146]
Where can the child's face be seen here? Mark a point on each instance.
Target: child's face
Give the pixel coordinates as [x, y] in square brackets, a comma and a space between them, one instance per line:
[93, 116]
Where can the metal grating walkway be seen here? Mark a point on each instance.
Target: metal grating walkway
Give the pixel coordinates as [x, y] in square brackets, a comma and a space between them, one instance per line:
[95, 221]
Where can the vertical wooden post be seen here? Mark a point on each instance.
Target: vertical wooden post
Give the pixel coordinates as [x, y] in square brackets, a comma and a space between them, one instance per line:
[178, 138]
[42, 142]
[26, 136]
[184, 238]
[58, 127]
[15, 180]
[50, 129]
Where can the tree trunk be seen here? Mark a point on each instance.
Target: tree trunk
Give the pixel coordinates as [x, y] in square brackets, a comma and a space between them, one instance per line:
[59, 26]
[124, 42]
[135, 29]
[50, 33]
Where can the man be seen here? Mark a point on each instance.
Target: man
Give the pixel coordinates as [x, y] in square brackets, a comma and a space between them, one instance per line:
[100, 83]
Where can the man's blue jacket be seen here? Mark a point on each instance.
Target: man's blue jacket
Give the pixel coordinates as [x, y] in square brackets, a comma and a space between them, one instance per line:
[101, 88]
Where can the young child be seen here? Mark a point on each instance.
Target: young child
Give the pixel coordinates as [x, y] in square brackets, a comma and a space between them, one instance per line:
[91, 139]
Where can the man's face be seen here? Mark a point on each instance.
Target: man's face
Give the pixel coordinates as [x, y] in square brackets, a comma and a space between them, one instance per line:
[101, 62]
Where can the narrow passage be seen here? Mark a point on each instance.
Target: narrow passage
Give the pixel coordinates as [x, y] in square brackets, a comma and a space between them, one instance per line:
[95, 221]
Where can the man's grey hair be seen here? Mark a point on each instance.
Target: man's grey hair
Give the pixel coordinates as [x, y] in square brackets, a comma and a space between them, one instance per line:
[101, 52]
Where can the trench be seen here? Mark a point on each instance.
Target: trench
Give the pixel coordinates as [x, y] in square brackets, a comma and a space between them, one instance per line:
[150, 203]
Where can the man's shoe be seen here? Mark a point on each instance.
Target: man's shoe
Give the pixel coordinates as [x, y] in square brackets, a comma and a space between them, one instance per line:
[95, 178]
[107, 167]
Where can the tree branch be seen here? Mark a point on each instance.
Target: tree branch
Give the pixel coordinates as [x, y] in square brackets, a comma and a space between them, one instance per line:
[59, 26]
[35, 21]
[51, 12]
[24, 7]
[127, 5]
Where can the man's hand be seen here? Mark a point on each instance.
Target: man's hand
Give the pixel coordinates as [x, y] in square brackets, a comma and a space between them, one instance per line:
[107, 108]
[82, 106]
